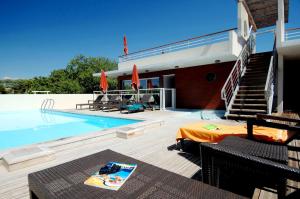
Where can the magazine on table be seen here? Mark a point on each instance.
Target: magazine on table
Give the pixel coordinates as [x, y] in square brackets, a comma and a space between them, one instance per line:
[112, 176]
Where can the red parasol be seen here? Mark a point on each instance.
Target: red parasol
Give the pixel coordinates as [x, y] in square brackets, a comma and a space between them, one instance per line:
[135, 81]
[125, 46]
[103, 82]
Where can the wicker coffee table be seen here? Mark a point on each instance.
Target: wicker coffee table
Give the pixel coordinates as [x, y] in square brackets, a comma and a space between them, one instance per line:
[147, 181]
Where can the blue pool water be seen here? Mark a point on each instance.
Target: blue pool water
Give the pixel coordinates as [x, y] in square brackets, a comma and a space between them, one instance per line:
[28, 127]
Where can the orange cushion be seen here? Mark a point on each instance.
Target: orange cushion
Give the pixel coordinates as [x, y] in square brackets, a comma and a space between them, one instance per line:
[200, 133]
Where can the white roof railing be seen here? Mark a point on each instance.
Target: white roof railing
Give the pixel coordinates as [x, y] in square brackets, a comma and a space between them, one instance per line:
[292, 34]
[180, 45]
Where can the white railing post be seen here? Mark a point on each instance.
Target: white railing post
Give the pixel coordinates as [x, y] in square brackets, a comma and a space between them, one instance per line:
[160, 99]
[164, 98]
[173, 98]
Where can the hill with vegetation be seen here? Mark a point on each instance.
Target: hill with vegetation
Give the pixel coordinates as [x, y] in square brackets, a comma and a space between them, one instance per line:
[77, 77]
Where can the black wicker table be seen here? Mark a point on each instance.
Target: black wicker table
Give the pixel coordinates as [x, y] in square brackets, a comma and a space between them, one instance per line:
[147, 181]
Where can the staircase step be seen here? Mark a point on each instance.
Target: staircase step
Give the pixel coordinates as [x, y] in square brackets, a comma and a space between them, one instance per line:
[249, 106]
[257, 66]
[256, 70]
[250, 111]
[240, 116]
[261, 54]
[253, 75]
[254, 78]
[252, 96]
[257, 63]
[253, 83]
[247, 100]
[252, 87]
[251, 91]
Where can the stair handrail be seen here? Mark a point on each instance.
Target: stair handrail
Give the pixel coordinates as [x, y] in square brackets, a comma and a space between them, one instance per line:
[230, 87]
[270, 82]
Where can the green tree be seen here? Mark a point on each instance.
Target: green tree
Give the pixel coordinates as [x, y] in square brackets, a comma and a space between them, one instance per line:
[2, 89]
[77, 77]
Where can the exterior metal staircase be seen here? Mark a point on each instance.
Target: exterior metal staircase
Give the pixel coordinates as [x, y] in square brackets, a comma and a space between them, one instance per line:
[250, 98]
[249, 89]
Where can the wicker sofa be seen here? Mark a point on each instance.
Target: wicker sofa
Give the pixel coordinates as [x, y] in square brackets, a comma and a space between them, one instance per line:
[249, 163]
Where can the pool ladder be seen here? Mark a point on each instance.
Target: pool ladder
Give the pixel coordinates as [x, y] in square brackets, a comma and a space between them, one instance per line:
[47, 104]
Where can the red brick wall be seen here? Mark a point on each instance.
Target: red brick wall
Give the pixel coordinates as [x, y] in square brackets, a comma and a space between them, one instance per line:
[192, 88]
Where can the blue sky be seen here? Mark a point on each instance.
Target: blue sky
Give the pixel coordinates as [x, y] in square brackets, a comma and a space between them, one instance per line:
[37, 36]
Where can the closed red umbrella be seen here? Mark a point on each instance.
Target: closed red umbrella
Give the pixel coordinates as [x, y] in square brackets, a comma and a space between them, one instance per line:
[103, 82]
[135, 81]
[125, 46]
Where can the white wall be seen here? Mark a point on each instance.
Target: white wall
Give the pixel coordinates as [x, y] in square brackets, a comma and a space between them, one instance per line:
[243, 21]
[31, 101]
[184, 58]
[237, 43]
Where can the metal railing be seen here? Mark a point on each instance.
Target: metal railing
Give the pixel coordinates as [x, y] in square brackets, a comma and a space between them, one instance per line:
[41, 92]
[180, 45]
[292, 34]
[270, 82]
[231, 85]
[163, 97]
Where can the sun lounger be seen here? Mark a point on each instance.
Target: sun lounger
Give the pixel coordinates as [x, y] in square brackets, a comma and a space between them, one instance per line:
[258, 128]
[131, 106]
[112, 104]
[90, 103]
[215, 132]
[148, 101]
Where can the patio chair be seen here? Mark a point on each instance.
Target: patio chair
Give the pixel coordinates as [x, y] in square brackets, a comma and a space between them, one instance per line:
[113, 103]
[148, 101]
[90, 103]
[249, 161]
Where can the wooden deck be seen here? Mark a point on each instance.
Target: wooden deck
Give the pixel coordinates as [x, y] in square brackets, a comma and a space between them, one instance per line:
[294, 161]
[156, 147]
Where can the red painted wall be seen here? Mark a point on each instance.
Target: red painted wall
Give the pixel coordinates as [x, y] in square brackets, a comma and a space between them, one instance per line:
[192, 88]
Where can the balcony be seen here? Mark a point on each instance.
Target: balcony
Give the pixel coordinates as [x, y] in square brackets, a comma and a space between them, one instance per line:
[290, 47]
[217, 47]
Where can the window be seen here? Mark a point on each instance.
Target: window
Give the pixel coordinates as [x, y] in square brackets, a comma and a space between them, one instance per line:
[126, 84]
[145, 83]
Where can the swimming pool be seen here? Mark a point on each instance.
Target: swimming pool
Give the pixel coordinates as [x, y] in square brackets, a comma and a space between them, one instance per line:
[18, 128]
